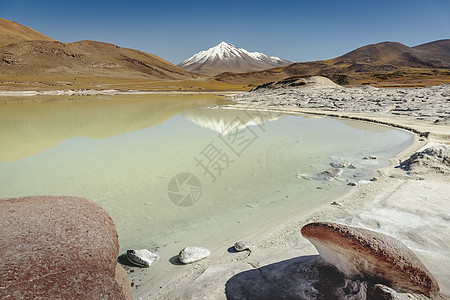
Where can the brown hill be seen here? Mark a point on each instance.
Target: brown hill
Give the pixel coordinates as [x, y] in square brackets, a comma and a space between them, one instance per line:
[28, 56]
[440, 50]
[12, 32]
[52, 59]
[372, 63]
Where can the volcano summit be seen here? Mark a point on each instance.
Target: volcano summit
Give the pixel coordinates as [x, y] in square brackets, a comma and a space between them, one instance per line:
[226, 57]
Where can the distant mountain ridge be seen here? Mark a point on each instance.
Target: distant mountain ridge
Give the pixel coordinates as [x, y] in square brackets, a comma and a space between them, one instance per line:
[397, 55]
[377, 59]
[440, 50]
[226, 57]
[30, 58]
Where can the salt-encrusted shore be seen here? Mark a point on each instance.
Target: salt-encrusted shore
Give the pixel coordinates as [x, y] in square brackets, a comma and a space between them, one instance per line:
[410, 206]
[90, 92]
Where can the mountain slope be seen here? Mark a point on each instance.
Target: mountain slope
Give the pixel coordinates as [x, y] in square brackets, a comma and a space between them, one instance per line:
[390, 54]
[385, 60]
[12, 32]
[84, 58]
[440, 50]
[226, 57]
[27, 55]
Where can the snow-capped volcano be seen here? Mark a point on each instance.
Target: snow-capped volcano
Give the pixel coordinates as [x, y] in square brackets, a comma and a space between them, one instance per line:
[226, 57]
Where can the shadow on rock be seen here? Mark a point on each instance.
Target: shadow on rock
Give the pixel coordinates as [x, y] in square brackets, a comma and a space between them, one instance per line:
[306, 277]
[123, 260]
[232, 250]
[174, 260]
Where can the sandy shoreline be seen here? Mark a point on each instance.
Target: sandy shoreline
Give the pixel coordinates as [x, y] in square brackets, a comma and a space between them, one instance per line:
[414, 210]
[90, 92]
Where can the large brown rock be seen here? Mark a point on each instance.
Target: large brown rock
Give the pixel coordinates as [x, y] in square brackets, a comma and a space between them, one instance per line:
[358, 252]
[58, 247]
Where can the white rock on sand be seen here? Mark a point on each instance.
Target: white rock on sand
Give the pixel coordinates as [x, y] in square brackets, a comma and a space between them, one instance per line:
[192, 254]
[142, 258]
[358, 252]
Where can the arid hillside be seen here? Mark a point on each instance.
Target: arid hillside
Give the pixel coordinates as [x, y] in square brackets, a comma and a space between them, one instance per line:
[12, 32]
[387, 63]
[52, 59]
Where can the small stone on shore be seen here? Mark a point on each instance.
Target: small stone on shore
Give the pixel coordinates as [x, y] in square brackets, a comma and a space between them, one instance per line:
[329, 174]
[192, 254]
[339, 164]
[142, 258]
[243, 245]
[370, 157]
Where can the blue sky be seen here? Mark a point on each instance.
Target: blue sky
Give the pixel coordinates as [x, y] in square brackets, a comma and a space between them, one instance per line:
[294, 30]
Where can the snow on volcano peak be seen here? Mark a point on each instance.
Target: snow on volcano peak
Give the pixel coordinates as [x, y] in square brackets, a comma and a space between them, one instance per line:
[225, 57]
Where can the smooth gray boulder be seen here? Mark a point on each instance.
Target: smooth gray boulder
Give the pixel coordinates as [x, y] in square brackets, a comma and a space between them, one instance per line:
[192, 254]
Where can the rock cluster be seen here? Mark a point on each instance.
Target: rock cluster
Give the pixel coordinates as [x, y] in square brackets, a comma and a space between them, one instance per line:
[429, 104]
[436, 158]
